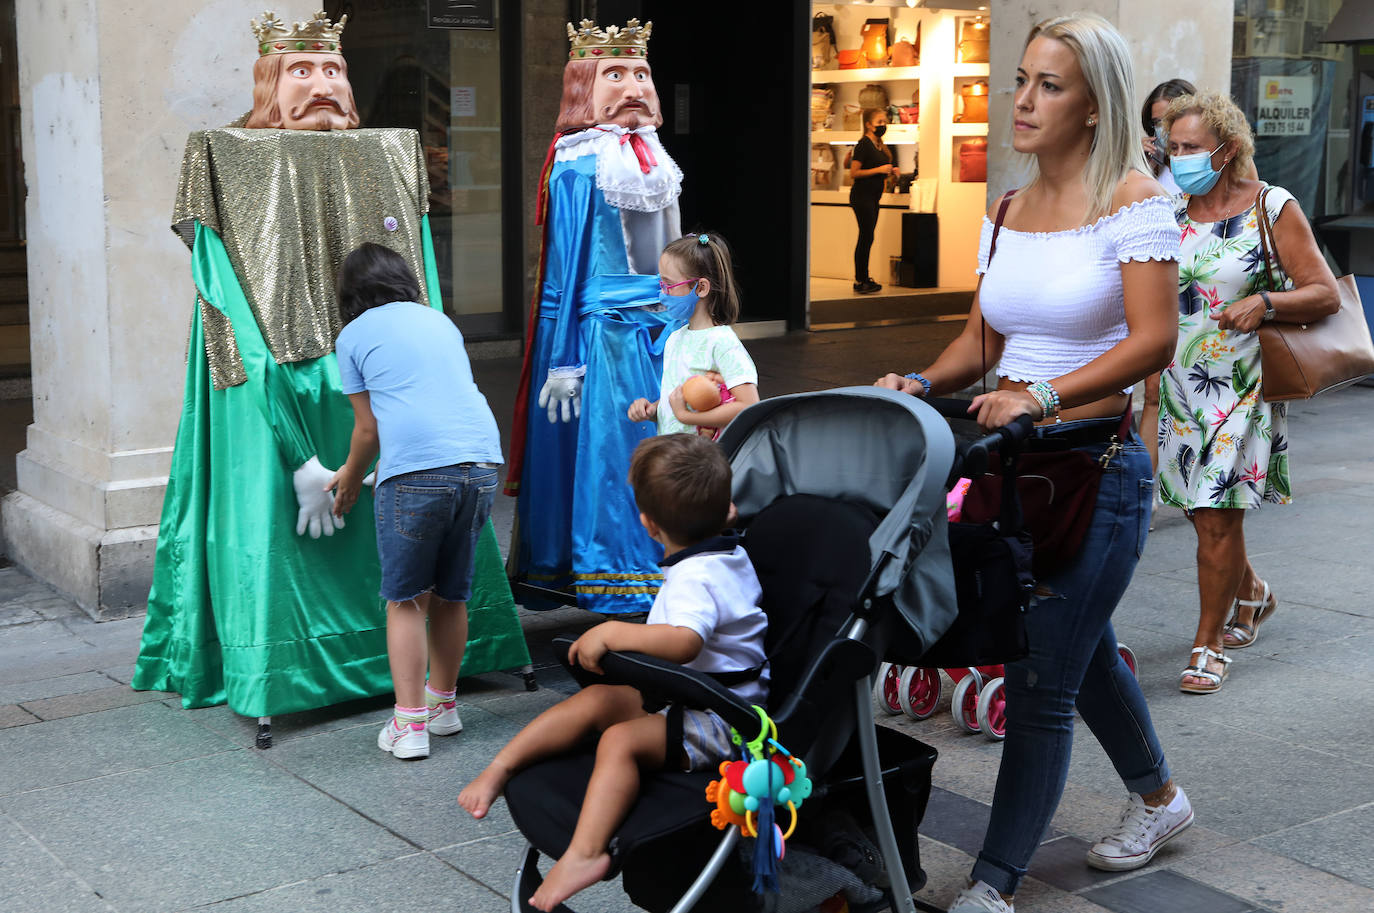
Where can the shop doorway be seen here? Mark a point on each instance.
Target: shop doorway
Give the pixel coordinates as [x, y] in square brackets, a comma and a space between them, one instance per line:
[16, 404]
[733, 122]
[456, 80]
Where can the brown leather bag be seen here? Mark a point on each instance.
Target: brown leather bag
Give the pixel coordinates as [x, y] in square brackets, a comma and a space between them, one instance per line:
[1301, 360]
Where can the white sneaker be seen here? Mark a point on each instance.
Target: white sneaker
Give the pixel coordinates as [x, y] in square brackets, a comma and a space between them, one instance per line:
[443, 719]
[981, 898]
[407, 743]
[1142, 831]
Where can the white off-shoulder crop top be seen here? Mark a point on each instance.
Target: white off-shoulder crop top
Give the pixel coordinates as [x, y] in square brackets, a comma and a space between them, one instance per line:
[1056, 297]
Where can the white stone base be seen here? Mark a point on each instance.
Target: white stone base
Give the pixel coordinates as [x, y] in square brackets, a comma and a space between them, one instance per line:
[106, 572]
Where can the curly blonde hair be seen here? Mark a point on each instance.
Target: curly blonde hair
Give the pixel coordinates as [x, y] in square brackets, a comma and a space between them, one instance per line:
[1220, 115]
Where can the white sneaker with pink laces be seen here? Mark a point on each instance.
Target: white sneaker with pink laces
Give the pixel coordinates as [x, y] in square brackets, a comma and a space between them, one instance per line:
[408, 743]
[443, 718]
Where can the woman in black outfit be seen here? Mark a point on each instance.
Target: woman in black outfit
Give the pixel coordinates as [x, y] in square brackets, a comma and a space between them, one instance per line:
[870, 165]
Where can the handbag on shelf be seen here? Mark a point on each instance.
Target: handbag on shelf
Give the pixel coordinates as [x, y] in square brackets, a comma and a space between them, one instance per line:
[1302, 360]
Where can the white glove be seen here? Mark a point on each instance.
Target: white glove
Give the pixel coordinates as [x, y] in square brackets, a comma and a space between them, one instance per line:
[564, 392]
[316, 505]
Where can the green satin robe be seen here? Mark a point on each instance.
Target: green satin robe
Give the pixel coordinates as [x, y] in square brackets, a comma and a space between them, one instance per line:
[242, 610]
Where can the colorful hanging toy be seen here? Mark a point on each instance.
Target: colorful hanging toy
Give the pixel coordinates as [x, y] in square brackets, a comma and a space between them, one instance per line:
[775, 775]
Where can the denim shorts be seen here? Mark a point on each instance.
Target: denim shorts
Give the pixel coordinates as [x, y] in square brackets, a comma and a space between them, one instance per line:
[427, 528]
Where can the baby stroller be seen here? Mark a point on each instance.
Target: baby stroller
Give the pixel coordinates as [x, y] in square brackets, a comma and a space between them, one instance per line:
[979, 700]
[850, 545]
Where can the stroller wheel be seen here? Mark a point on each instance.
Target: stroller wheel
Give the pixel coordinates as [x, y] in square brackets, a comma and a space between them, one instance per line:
[1128, 657]
[885, 688]
[920, 691]
[964, 707]
[992, 710]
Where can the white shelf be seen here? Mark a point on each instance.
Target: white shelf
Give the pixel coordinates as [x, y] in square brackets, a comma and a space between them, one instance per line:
[869, 74]
[970, 69]
[896, 135]
[971, 129]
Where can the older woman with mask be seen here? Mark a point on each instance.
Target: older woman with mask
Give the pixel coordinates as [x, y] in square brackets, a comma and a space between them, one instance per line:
[1223, 450]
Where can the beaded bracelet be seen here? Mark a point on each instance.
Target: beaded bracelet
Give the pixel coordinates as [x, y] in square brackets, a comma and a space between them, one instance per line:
[1047, 397]
[920, 379]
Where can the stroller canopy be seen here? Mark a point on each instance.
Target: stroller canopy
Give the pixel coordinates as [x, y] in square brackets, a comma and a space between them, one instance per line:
[885, 450]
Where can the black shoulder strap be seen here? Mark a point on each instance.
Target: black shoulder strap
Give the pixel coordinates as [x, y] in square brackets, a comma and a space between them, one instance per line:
[997, 225]
[992, 249]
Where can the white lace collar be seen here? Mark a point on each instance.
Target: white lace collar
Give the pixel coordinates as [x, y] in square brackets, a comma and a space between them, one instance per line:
[619, 176]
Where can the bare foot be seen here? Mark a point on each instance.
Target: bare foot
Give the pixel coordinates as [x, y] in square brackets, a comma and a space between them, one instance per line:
[478, 795]
[569, 875]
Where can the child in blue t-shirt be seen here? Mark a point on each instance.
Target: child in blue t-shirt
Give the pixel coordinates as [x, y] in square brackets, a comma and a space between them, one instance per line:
[407, 376]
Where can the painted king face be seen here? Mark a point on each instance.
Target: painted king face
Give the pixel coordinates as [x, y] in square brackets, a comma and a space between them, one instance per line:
[624, 94]
[313, 93]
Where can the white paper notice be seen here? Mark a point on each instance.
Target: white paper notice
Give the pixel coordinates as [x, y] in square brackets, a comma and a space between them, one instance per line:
[463, 101]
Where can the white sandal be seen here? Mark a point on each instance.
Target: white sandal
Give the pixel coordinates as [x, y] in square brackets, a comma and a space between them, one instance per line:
[1200, 670]
[1247, 634]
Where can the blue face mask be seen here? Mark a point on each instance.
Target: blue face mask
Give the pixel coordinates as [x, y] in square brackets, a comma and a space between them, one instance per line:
[679, 307]
[1193, 173]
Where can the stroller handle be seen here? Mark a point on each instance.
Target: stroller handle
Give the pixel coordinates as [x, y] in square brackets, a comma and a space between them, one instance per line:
[974, 457]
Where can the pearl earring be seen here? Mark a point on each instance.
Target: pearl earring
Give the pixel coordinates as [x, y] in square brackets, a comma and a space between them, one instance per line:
[1092, 122]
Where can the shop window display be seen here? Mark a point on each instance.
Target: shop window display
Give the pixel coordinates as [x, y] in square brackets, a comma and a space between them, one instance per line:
[927, 70]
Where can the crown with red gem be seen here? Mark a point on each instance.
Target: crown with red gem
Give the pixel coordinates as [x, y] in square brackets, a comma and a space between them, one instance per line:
[592, 43]
[317, 35]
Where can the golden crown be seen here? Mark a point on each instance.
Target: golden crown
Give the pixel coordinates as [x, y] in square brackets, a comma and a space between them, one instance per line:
[315, 35]
[590, 42]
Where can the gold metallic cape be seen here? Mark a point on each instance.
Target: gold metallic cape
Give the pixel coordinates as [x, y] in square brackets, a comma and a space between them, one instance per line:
[289, 205]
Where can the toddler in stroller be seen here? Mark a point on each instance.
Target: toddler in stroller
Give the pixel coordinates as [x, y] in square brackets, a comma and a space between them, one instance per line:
[849, 544]
[705, 616]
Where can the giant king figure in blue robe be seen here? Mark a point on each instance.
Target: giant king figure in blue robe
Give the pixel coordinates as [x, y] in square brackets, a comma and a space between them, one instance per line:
[608, 205]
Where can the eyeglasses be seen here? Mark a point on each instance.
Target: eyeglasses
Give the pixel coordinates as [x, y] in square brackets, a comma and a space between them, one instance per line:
[665, 287]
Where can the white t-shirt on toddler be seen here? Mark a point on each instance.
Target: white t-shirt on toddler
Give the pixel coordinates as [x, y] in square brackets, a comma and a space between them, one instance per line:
[711, 588]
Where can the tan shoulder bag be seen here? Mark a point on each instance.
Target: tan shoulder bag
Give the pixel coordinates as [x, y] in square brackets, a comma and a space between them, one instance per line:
[1301, 360]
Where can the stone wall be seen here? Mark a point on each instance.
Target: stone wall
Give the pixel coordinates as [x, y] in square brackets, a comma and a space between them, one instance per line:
[107, 103]
[1168, 38]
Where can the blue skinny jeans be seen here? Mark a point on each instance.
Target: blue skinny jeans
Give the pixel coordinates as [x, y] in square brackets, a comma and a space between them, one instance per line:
[1073, 662]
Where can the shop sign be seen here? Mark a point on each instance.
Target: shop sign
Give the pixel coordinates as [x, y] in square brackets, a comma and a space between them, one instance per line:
[462, 14]
[1285, 106]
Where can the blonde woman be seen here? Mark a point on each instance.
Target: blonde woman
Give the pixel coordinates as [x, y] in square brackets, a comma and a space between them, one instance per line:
[1078, 298]
[1223, 450]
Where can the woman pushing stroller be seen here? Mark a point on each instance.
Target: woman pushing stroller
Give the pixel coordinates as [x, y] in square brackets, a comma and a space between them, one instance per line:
[1076, 304]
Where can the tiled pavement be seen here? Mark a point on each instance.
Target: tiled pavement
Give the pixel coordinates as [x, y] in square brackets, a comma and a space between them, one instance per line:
[114, 800]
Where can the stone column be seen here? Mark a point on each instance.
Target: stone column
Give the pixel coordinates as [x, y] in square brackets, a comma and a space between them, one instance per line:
[109, 92]
[1168, 38]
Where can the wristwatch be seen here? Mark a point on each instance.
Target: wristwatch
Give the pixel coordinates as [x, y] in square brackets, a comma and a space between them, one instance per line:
[1268, 305]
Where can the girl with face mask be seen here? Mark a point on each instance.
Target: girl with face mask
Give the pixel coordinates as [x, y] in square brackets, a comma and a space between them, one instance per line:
[697, 283]
[1223, 450]
[869, 166]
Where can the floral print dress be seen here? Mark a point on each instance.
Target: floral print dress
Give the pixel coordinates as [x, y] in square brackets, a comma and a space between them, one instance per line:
[1220, 443]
